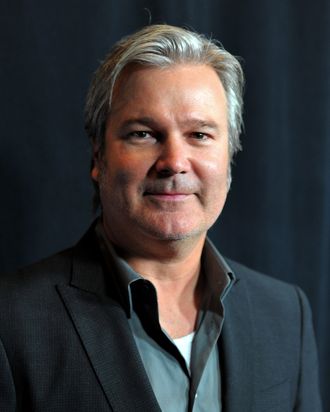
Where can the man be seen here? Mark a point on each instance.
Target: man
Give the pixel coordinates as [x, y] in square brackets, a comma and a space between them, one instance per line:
[144, 314]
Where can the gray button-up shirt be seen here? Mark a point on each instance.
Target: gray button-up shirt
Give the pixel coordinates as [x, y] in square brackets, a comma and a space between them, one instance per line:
[177, 387]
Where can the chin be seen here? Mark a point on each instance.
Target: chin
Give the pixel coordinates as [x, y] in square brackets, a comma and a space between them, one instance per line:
[175, 237]
[174, 226]
[174, 233]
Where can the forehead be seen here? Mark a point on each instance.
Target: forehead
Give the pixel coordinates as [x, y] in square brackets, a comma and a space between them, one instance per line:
[188, 84]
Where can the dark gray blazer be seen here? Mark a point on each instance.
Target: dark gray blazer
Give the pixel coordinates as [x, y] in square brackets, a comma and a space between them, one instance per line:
[65, 344]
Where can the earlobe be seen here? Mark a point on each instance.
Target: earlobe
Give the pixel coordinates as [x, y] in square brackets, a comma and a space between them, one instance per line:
[95, 172]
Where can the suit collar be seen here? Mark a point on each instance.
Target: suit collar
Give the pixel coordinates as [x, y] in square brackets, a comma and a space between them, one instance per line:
[87, 264]
[237, 354]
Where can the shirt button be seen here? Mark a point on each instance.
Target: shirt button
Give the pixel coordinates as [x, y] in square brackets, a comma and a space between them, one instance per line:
[196, 395]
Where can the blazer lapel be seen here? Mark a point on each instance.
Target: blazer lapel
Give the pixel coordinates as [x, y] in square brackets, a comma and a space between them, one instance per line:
[105, 333]
[237, 355]
[110, 346]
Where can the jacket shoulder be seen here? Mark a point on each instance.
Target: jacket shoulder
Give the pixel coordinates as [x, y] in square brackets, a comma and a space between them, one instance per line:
[48, 271]
[269, 295]
[54, 269]
[254, 278]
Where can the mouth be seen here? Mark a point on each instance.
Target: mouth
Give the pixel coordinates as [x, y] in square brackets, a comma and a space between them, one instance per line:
[168, 196]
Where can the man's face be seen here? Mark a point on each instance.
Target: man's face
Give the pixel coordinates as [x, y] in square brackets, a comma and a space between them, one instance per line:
[163, 174]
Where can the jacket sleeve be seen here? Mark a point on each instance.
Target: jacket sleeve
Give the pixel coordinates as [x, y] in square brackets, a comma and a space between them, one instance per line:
[7, 387]
[308, 395]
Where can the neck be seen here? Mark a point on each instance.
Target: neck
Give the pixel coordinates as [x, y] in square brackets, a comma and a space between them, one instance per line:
[173, 267]
[177, 283]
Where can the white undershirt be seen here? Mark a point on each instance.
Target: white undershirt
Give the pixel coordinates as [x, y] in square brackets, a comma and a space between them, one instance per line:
[184, 345]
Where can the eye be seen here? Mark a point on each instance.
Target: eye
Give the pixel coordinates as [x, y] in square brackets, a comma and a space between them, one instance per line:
[200, 136]
[141, 134]
[141, 137]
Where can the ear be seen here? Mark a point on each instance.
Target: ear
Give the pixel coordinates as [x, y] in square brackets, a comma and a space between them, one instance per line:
[95, 166]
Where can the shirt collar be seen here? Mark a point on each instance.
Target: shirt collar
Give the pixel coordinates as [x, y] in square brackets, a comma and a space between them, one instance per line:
[220, 277]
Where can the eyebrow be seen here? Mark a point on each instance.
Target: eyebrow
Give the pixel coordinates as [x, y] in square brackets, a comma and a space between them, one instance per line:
[201, 123]
[147, 121]
[190, 122]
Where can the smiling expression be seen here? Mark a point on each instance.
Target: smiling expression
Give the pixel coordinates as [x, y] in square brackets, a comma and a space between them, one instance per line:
[163, 173]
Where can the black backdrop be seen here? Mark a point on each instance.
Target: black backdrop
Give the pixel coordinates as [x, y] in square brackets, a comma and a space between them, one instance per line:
[277, 218]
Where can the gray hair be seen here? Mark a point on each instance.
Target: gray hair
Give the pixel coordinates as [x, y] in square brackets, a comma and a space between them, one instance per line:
[163, 46]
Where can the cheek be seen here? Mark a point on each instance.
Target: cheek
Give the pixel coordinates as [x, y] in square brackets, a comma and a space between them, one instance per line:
[121, 180]
[214, 179]
[130, 162]
[214, 169]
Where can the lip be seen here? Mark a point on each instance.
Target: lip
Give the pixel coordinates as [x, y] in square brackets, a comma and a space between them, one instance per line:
[169, 197]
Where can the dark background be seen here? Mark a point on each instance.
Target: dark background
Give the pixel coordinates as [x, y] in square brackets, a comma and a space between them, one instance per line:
[277, 218]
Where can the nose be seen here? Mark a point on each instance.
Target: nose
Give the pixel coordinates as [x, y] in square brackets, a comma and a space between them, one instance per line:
[173, 157]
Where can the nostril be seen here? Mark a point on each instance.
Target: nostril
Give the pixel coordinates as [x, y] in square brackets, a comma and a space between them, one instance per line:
[166, 172]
